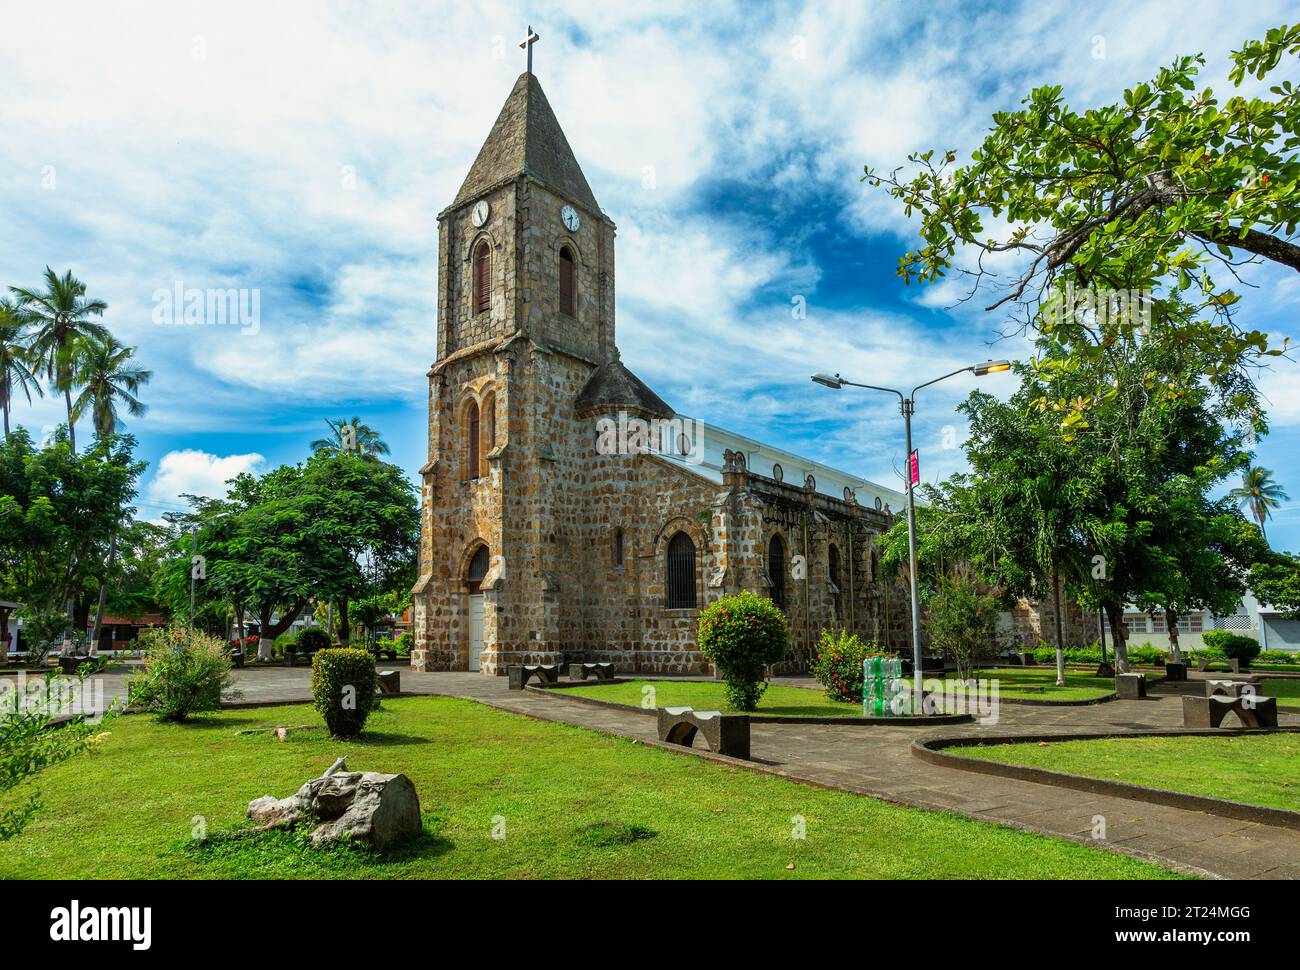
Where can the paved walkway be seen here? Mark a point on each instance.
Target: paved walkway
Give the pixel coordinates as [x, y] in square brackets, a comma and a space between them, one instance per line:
[876, 760]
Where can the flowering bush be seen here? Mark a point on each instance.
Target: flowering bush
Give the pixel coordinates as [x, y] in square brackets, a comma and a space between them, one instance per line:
[838, 664]
[741, 635]
[185, 672]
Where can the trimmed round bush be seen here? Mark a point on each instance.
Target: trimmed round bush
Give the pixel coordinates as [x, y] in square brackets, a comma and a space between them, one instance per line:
[742, 635]
[343, 682]
[311, 639]
[838, 665]
[1232, 645]
[185, 672]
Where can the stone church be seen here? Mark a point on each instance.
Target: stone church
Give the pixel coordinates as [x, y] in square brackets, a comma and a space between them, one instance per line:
[569, 512]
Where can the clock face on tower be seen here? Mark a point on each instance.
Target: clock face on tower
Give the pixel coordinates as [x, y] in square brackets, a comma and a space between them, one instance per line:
[570, 216]
[481, 212]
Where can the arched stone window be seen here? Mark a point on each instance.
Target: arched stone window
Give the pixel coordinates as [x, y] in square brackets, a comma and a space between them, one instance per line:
[681, 572]
[776, 569]
[482, 278]
[478, 569]
[471, 441]
[833, 568]
[568, 283]
[489, 421]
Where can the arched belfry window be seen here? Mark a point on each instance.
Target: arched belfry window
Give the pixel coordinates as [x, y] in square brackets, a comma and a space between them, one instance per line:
[618, 546]
[776, 569]
[681, 573]
[471, 440]
[482, 278]
[478, 569]
[488, 419]
[568, 282]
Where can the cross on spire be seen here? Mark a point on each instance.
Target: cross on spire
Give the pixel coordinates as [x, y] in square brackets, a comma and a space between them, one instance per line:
[527, 44]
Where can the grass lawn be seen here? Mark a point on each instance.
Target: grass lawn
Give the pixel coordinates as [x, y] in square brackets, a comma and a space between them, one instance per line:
[707, 695]
[1285, 689]
[574, 803]
[1079, 686]
[1260, 769]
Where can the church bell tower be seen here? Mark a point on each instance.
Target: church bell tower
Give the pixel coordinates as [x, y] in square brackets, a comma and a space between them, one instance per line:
[525, 316]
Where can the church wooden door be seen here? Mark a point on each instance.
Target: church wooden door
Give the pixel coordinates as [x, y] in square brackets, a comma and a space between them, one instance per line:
[475, 629]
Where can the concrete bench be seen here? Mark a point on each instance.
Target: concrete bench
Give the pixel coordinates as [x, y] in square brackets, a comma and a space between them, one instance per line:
[1234, 664]
[520, 675]
[1131, 687]
[390, 681]
[1209, 712]
[72, 663]
[598, 671]
[1231, 688]
[724, 733]
[1175, 671]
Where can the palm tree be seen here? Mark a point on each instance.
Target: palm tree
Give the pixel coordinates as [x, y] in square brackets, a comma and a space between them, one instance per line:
[15, 360]
[351, 436]
[1259, 493]
[60, 319]
[106, 378]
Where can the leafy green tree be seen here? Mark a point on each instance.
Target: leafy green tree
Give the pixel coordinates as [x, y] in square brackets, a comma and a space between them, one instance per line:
[107, 378]
[1276, 580]
[1259, 493]
[299, 532]
[366, 513]
[961, 618]
[16, 360]
[61, 318]
[353, 436]
[58, 511]
[1147, 195]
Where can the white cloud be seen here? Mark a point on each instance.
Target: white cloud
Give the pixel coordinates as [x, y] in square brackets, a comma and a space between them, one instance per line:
[191, 472]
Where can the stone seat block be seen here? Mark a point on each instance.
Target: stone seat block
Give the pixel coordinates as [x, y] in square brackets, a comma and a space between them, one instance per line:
[596, 671]
[1209, 712]
[519, 675]
[390, 681]
[724, 733]
[1234, 664]
[1131, 687]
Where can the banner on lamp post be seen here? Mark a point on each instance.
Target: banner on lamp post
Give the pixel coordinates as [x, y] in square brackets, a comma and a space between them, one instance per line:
[914, 469]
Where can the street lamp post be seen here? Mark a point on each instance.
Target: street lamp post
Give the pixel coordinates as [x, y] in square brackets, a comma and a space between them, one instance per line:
[908, 407]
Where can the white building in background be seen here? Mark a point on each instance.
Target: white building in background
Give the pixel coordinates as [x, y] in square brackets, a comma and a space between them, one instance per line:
[1252, 618]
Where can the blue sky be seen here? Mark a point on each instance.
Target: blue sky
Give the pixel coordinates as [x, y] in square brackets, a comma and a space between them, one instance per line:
[303, 150]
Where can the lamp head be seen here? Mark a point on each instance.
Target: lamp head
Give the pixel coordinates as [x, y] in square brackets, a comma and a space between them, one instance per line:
[991, 367]
[826, 380]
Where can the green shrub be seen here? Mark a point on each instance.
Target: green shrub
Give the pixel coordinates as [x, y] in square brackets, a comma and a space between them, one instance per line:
[961, 617]
[343, 682]
[1278, 657]
[185, 672]
[312, 638]
[1232, 645]
[403, 644]
[838, 664]
[285, 643]
[741, 635]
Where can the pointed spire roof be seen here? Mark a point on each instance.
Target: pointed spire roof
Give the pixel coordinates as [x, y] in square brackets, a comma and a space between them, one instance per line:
[527, 140]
